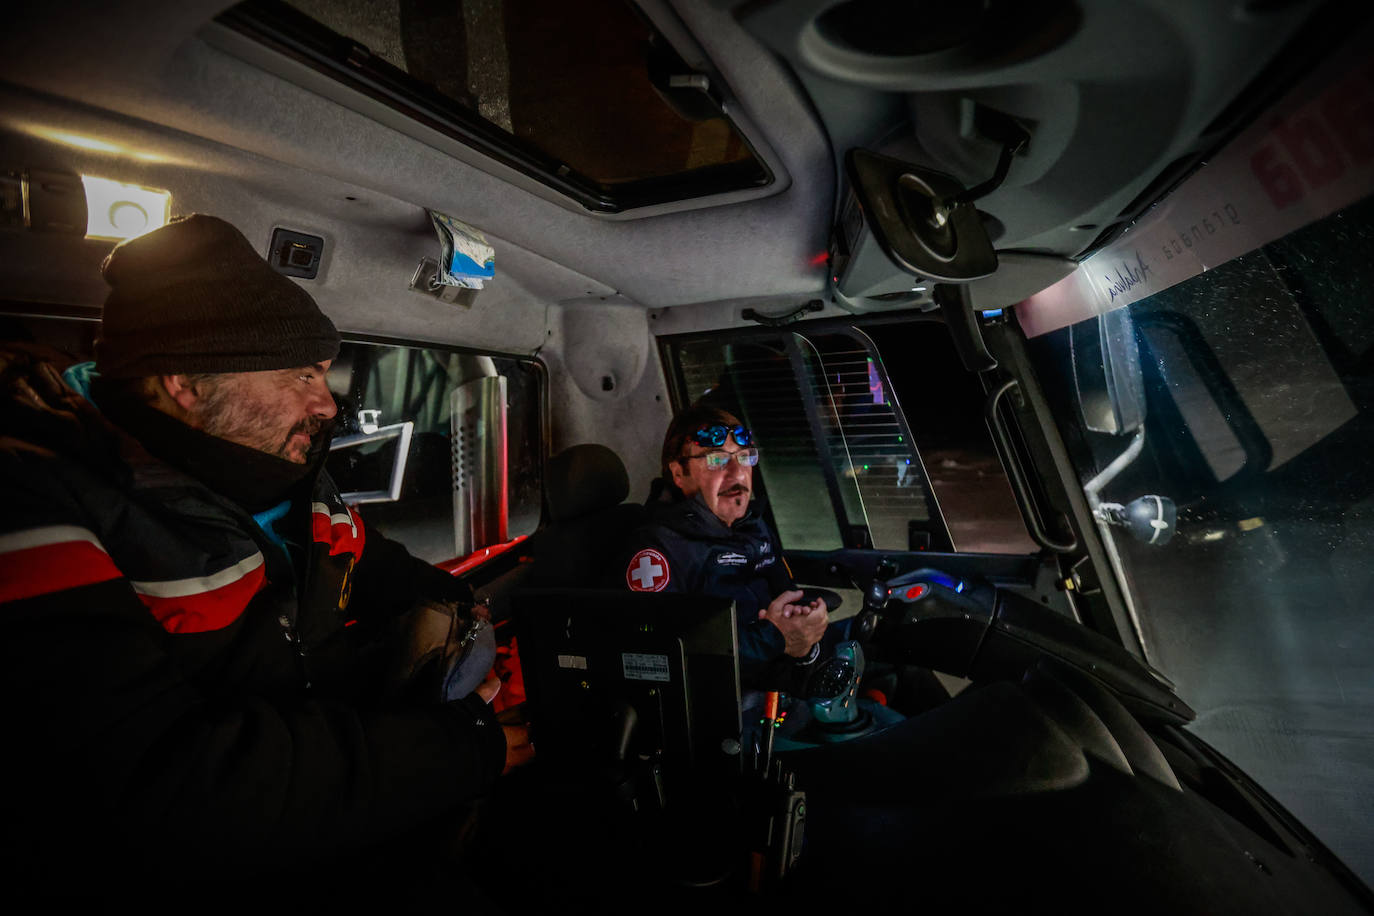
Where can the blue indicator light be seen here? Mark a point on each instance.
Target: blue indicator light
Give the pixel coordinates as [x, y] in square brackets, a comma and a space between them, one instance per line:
[947, 581]
[992, 313]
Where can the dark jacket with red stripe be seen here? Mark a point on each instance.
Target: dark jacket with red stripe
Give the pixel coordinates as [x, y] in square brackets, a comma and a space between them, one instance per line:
[685, 548]
[178, 698]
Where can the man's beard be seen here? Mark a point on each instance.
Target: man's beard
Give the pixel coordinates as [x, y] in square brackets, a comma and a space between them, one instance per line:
[226, 412]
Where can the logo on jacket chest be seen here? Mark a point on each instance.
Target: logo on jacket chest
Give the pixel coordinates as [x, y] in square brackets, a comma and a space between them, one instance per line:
[730, 558]
[647, 572]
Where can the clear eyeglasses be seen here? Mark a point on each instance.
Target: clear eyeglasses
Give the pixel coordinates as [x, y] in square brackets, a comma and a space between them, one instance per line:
[748, 457]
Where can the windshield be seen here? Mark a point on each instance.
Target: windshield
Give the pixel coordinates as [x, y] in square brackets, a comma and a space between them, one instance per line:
[1258, 384]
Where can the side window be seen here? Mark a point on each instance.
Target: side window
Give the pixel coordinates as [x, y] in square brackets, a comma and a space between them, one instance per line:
[840, 463]
[381, 388]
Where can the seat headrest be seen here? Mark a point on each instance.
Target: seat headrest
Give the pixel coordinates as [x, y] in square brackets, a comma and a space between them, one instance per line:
[583, 479]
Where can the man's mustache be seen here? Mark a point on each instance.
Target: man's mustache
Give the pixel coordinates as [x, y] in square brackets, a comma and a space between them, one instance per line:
[310, 426]
[733, 489]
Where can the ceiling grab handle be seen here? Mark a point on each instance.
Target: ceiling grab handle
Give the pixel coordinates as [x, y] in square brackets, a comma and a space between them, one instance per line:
[1016, 476]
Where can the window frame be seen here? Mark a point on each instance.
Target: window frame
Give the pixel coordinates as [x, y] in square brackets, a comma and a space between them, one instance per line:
[668, 350]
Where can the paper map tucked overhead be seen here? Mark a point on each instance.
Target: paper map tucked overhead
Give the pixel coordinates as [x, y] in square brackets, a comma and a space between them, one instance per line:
[466, 259]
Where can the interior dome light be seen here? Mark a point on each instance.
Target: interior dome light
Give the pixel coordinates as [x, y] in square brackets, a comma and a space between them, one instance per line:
[123, 211]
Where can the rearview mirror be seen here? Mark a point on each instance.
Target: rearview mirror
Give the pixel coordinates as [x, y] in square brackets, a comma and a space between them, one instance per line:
[1106, 372]
[918, 219]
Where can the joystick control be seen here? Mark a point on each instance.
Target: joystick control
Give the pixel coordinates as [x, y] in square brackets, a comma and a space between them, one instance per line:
[834, 689]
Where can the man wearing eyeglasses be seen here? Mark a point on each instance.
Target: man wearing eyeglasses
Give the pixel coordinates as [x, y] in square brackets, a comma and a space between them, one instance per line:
[707, 536]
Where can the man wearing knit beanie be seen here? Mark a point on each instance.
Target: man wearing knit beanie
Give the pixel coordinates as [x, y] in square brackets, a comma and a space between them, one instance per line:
[222, 341]
[196, 621]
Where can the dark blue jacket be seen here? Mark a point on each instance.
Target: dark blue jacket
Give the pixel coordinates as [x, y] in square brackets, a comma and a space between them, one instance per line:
[685, 548]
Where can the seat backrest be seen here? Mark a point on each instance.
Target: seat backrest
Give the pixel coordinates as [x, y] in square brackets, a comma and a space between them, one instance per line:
[587, 519]
[584, 479]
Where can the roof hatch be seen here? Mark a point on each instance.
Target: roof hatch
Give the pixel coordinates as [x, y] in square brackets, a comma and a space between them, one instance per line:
[587, 97]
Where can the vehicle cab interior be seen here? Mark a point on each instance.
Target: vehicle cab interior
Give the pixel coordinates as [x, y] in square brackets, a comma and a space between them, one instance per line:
[1052, 323]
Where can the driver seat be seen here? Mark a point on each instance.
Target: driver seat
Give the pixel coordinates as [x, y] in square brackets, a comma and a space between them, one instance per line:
[586, 519]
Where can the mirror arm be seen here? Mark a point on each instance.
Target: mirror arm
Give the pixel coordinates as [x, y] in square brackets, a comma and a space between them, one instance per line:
[1094, 487]
[1014, 145]
[1091, 490]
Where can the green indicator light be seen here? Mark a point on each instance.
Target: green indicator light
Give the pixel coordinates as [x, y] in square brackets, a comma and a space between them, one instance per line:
[865, 467]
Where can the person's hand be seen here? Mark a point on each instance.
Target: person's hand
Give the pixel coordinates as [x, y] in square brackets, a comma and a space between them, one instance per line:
[801, 625]
[481, 612]
[519, 751]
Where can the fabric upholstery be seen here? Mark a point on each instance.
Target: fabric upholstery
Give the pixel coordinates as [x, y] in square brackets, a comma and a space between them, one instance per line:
[583, 479]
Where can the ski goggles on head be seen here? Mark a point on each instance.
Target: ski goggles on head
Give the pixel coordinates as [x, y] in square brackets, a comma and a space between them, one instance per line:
[714, 436]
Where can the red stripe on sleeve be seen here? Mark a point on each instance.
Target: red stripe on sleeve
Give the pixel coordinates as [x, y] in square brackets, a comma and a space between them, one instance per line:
[32, 571]
[339, 535]
[205, 611]
[319, 528]
[362, 533]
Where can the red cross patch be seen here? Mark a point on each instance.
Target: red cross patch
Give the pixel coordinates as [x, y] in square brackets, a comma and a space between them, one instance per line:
[647, 572]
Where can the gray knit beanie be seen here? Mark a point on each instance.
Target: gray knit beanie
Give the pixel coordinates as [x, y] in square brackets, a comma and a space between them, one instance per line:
[194, 296]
